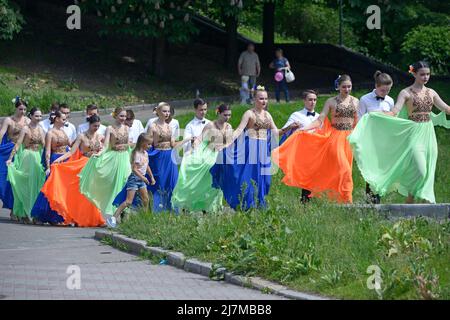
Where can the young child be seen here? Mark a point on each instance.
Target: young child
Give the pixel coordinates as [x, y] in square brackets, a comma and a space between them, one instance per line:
[244, 90]
[137, 180]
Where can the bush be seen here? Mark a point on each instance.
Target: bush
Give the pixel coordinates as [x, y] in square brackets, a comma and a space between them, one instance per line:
[429, 43]
[11, 20]
[314, 23]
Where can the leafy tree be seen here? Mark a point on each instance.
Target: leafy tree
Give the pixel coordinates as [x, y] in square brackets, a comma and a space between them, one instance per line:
[11, 20]
[429, 43]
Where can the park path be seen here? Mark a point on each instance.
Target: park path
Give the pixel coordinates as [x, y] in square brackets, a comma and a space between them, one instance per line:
[34, 262]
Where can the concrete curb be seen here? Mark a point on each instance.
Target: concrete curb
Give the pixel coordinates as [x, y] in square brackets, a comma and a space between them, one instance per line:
[178, 260]
[435, 211]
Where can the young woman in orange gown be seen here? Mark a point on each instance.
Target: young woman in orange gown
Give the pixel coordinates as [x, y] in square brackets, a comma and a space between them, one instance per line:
[62, 189]
[322, 161]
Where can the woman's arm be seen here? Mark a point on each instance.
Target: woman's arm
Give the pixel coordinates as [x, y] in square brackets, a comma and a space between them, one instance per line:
[74, 148]
[244, 122]
[439, 103]
[280, 132]
[356, 117]
[107, 139]
[401, 100]
[48, 150]
[4, 128]
[321, 119]
[17, 145]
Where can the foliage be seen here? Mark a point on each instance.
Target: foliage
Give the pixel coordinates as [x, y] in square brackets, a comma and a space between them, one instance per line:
[431, 43]
[11, 20]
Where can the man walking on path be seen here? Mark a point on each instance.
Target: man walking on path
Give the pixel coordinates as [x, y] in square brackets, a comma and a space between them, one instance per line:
[248, 65]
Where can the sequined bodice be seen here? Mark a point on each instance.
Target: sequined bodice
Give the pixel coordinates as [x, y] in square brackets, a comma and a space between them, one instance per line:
[34, 140]
[219, 136]
[344, 115]
[421, 106]
[120, 139]
[15, 130]
[164, 137]
[260, 127]
[60, 141]
[93, 145]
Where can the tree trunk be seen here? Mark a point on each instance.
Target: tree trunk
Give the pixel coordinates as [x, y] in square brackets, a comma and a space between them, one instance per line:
[231, 25]
[269, 26]
[159, 57]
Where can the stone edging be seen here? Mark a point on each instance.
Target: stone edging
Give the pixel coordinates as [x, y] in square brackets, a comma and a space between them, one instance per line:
[178, 260]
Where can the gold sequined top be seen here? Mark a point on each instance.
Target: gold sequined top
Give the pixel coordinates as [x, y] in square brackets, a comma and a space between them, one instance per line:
[14, 130]
[164, 137]
[421, 106]
[60, 141]
[34, 140]
[119, 138]
[260, 127]
[343, 117]
[218, 137]
[94, 144]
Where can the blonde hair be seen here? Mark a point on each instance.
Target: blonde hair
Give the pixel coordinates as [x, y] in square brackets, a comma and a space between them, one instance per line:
[143, 138]
[117, 111]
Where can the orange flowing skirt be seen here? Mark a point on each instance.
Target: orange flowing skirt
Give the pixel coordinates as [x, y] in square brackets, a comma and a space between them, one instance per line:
[62, 190]
[320, 162]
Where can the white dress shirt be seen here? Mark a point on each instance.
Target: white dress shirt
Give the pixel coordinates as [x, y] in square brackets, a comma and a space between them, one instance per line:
[369, 103]
[193, 129]
[45, 125]
[302, 117]
[174, 125]
[82, 128]
[136, 129]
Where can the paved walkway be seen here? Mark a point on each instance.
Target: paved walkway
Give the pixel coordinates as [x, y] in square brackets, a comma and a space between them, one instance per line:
[34, 262]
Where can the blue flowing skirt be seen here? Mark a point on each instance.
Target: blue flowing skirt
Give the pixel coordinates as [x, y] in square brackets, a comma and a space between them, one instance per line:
[6, 193]
[243, 172]
[163, 164]
[41, 210]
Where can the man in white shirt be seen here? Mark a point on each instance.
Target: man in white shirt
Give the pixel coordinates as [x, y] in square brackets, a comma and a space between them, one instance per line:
[376, 101]
[69, 128]
[304, 117]
[195, 127]
[136, 127]
[45, 124]
[90, 111]
[173, 123]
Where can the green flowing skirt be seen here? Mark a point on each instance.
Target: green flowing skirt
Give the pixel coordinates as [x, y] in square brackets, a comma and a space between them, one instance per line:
[395, 154]
[27, 176]
[194, 191]
[103, 178]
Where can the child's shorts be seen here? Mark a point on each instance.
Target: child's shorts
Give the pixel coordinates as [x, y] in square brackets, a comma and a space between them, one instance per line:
[135, 183]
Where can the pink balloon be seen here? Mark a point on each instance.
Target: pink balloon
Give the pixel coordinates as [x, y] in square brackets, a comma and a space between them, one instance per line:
[279, 76]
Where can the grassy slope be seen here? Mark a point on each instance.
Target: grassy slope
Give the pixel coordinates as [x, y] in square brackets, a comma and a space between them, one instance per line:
[319, 248]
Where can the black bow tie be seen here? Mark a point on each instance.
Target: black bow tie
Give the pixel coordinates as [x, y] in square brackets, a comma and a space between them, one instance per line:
[204, 121]
[379, 98]
[66, 124]
[310, 113]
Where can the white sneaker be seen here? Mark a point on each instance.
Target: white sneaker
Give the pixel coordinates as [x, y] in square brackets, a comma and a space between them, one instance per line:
[111, 221]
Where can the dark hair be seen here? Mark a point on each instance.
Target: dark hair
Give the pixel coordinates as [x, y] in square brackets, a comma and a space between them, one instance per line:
[93, 119]
[130, 115]
[418, 65]
[308, 92]
[54, 106]
[222, 108]
[340, 79]
[54, 115]
[33, 111]
[63, 106]
[198, 102]
[20, 102]
[91, 107]
[382, 79]
[172, 111]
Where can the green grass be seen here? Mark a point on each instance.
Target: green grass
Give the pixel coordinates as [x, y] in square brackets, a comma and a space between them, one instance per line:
[320, 248]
